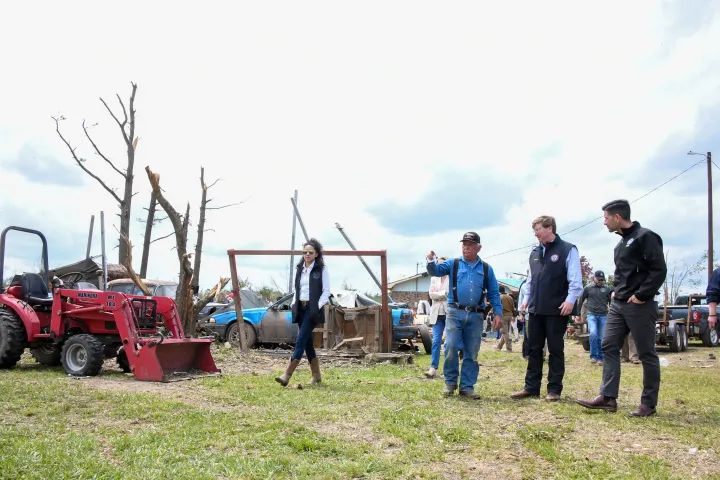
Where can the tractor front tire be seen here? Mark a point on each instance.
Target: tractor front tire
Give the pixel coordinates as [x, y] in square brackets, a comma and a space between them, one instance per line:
[47, 354]
[83, 355]
[12, 338]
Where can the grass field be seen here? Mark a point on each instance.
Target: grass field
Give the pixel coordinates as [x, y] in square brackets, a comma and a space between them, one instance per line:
[364, 421]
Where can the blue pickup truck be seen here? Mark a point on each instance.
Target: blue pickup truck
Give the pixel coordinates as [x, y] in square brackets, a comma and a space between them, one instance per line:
[273, 324]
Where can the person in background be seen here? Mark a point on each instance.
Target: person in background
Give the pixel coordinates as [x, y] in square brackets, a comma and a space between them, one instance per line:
[509, 311]
[597, 296]
[439, 287]
[713, 297]
[312, 291]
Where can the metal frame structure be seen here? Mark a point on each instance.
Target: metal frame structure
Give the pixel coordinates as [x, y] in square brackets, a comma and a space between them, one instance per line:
[386, 318]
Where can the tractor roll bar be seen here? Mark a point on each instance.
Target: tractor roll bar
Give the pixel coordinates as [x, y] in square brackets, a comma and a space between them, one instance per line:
[46, 272]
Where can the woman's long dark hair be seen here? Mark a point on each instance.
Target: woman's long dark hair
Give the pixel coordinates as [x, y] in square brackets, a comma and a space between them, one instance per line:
[319, 261]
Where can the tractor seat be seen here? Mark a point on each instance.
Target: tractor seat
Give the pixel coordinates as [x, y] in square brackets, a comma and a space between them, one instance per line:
[34, 290]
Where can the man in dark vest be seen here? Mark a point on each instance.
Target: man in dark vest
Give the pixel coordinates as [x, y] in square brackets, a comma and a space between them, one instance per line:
[554, 283]
[640, 271]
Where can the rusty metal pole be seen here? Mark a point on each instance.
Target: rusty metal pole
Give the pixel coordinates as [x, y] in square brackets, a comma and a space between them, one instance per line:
[302, 225]
[292, 247]
[89, 244]
[708, 157]
[386, 316]
[238, 302]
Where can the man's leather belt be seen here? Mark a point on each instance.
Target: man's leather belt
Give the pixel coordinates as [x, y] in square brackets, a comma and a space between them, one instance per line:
[304, 303]
[467, 309]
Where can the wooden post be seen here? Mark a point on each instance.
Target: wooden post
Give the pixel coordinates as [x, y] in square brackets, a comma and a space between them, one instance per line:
[238, 303]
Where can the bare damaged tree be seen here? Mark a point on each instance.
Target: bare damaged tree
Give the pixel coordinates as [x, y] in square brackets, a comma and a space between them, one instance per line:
[201, 224]
[680, 273]
[149, 223]
[127, 128]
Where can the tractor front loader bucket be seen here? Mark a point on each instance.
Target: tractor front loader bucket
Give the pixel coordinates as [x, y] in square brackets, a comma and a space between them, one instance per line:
[173, 360]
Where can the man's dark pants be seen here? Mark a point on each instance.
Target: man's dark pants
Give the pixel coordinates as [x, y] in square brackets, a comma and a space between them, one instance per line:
[540, 328]
[640, 320]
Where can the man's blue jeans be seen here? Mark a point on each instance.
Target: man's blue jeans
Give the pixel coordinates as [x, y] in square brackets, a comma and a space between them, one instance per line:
[463, 331]
[596, 327]
[437, 333]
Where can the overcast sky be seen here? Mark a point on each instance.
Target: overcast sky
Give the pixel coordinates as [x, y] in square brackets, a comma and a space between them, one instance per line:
[408, 123]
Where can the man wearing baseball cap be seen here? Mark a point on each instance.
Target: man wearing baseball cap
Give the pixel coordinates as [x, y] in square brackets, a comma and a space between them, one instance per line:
[471, 280]
[598, 298]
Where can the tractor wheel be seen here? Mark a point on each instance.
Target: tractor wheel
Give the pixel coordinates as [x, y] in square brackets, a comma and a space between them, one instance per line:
[83, 355]
[710, 337]
[426, 337]
[233, 335]
[12, 338]
[122, 361]
[47, 354]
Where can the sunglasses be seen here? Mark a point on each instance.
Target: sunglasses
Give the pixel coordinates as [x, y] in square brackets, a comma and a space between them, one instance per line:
[308, 252]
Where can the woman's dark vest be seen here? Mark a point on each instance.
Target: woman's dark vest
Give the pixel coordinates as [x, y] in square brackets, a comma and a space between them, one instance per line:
[316, 287]
[549, 287]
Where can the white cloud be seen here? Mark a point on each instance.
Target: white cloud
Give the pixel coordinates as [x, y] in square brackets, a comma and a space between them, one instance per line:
[356, 105]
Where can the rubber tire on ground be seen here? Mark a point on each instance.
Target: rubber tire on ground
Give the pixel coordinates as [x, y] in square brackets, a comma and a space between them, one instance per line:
[586, 344]
[708, 340]
[676, 341]
[122, 361]
[426, 337]
[94, 354]
[234, 337]
[48, 354]
[684, 337]
[12, 338]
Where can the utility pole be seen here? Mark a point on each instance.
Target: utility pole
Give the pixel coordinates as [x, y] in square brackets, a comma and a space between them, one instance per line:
[708, 159]
[377, 282]
[292, 246]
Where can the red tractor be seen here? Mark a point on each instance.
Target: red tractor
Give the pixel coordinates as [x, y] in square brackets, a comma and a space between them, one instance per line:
[80, 328]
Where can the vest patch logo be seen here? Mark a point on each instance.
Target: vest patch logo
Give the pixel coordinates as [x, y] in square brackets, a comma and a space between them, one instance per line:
[629, 242]
[603, 290]
[316, 275]
[555, 257]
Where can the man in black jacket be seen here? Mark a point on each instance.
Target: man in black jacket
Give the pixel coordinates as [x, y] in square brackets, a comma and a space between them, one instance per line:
[639, 273]
[597, 295]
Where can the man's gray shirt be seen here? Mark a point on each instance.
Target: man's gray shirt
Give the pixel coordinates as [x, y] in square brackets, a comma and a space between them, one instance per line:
[598, 298]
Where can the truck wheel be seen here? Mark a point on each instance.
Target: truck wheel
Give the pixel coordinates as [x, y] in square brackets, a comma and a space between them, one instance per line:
[233, 335]
[122, 360]
[586, 344]
[47, 354]
[710, 337]
[681, 334]
[426, 337]
[676, 342]
[83, 356]
[12, 338]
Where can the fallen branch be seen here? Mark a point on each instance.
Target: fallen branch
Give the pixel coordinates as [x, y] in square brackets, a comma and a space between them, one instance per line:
[210, 295]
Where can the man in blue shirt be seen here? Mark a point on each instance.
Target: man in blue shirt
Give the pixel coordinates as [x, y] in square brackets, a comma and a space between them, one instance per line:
[465, 317]
[554, 283]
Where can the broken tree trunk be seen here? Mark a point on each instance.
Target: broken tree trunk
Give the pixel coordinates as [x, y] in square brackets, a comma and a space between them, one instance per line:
[127, 263]
[201, 229]
[184, 295]
[210, 295]
[148, 234]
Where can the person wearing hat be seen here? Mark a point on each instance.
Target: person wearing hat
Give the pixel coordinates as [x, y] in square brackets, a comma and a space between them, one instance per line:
[598, 296]
[551, 289]
[508, 313]
[470, 280]
[640, 271]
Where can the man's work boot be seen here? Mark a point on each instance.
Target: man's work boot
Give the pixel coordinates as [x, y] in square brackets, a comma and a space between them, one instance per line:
[284, 379]
[600, 402]
[449, 390]
[315, 369]
[431, 373]
[643, 411]
[469, 394]
[523, 394]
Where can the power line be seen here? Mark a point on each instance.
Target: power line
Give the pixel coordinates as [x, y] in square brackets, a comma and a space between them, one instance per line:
[598, 218]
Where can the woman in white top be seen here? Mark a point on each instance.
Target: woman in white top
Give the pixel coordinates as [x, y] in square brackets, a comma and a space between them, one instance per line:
[439, 287]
